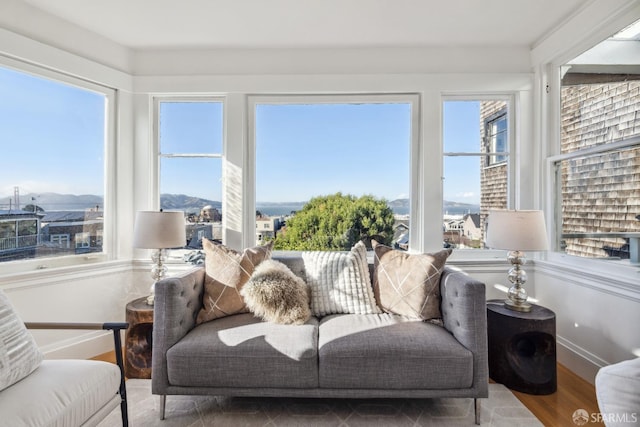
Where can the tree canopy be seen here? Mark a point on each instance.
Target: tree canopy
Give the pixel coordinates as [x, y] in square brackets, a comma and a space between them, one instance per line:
[337, 222]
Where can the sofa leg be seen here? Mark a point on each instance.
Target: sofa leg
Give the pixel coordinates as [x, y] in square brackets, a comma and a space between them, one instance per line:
[476, 406]
[163, 402]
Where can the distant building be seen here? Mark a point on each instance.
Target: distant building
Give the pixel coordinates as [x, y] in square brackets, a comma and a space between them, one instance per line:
[453, 224]
[266, 228]
[401, 234]
[19, 234]
[71, 232]
[210, 214]
[471, 227]
[197, 231]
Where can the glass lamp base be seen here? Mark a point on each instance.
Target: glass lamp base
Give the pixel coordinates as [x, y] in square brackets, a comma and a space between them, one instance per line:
[524, 307]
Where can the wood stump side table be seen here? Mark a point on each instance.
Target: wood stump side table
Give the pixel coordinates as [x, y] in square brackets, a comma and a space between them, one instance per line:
[138, 339]
[522, 348]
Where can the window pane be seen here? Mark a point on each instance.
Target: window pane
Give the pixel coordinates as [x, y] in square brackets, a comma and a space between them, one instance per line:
[190, 127]
[600, 194]
[304, 151]
[474, 182]
[191, 133]
[52, 139]
[461, 130]
[461, 216]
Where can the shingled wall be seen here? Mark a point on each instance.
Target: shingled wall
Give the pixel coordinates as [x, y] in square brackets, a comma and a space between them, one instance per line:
[493, 179]
[600, 193]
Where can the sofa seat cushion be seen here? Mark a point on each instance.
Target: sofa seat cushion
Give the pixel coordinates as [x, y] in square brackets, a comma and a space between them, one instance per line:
[243, 351]
[387, 351]
[67, 392]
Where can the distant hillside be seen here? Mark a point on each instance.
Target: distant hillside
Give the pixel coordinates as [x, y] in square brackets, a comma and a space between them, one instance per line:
[186, 203]
[73, 202]
[451, 207]
[56, 202]
[60, 202]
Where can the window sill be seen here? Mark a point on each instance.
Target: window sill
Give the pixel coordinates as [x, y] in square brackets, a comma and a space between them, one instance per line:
[56, 274]
[613, 276]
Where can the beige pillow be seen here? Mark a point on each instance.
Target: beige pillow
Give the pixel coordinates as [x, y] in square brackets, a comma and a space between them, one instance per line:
[408, 284]
[276, 295]
[226, 272]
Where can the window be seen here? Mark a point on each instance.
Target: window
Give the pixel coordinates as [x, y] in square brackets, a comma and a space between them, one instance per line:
[496, 137]
[476, 169]
[60, 240]
[330, 152]
[597, 173]
[83, 240]
[54, 140]
[190, 135]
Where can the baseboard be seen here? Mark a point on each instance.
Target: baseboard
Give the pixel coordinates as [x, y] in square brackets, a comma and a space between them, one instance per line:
[85, 346]
[578, 360]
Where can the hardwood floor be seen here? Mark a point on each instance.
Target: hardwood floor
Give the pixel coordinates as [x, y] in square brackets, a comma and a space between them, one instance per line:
[557, 409]
[553, 410]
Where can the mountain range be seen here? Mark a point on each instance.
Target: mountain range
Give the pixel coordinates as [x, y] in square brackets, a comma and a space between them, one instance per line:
[59, 202]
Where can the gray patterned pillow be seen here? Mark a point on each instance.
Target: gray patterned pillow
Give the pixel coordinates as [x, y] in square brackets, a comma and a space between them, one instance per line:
[340, 281]
[408, 284]
[19, 354]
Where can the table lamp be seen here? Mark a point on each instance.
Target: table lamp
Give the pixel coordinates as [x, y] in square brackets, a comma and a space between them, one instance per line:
[517, 231]
[159, 231]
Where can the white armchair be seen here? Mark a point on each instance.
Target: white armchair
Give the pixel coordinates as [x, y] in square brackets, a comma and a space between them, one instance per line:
[618, 393]
[60, 392]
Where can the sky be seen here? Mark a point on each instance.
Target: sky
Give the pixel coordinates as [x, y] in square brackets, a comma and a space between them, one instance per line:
[51, 139]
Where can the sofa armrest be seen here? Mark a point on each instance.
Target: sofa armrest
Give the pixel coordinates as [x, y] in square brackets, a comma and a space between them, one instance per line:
[464, 314]
[178, 300]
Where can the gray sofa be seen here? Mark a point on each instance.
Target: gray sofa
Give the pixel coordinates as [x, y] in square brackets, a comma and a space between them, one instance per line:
[344, 355]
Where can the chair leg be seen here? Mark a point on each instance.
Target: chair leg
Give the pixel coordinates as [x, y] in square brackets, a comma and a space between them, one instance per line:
[123, 387]
[163, 402]
[476, 406]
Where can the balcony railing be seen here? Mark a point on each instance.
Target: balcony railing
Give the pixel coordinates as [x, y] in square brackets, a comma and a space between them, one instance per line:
[19, 242]
[634, 241]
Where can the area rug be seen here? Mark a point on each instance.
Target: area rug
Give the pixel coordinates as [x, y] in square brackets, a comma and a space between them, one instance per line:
[502, 408]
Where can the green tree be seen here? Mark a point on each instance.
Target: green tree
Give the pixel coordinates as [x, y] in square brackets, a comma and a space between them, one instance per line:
[337, 222]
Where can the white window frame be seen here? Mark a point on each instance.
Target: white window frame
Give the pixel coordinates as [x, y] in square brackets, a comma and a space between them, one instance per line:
[60, 240]
[415, 192]
[501, 157]
[555, 187]
[512, 158]
[551, 74]
[158, 155]
[109, 174]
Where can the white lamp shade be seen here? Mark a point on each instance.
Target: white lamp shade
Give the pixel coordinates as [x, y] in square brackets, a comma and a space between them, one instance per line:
[516, 230]
[159, 230]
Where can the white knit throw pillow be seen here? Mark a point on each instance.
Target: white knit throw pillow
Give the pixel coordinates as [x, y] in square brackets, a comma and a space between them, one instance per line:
[19, 353]
[340, 281]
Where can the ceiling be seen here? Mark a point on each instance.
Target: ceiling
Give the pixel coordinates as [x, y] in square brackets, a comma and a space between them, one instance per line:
[162, 24]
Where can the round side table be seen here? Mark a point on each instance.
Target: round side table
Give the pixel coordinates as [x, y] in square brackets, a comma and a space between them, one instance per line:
[138, 339]
[522, 348]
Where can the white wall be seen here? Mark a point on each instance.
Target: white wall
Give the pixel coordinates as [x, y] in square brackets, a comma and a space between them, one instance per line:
[596, 302]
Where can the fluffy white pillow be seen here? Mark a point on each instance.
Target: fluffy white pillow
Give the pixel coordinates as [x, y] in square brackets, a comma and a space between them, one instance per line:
[340, 281]
[275, 294]
[19, 354]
